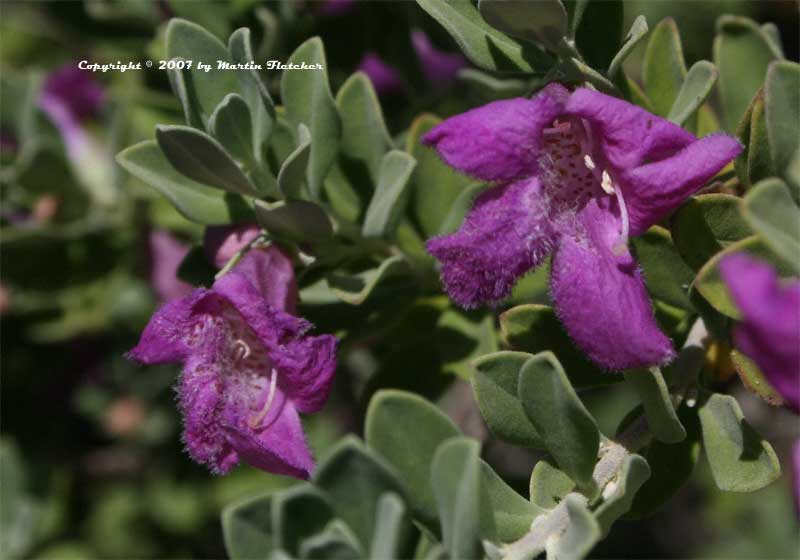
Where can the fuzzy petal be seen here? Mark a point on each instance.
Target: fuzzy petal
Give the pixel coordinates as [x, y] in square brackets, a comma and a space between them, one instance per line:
[654, 190]
[280, 448]
[499, 141]
[628, 134]
[306, 366]
[506, 233]
[201, 402]
[262, 274]
[601, 297]
[164, 338]
[769, 332]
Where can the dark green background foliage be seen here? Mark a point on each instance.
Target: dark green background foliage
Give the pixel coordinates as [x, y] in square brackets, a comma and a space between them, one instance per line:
[445, 428]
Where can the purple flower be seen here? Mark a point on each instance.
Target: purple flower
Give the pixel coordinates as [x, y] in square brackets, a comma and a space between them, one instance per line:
[439, 67]
[69, 97]
[769, 332]
[385, 78]
[576, 174]
[249, 367]
[74, 89]
[334, 7]
[166, 254]
[221, 243]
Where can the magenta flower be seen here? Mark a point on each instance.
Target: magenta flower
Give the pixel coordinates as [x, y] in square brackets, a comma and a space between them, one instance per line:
[334, 7]
[166, 254]
[385, 78]
[221, 243]
[69, 97]
[576, 174]
[249, 367]
[769, 332]
[439, 67]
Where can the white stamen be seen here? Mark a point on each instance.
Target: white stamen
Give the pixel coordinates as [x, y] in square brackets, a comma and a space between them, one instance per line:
[588, 162]
[622, 244]
[609, 490]
[241, 350]
[606, 182]
[256, 420]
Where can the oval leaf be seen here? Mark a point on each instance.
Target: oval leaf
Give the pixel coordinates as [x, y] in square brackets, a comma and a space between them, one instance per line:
[664, 69]
[484, 45]
[455, 478]
[568, 430]
[293, 170]
[355, 479]
[231, 125]
[742, 52]
[782, 106]
[544, 21]
[388, 201]
[308, 100]
[406, 430]
[189, 41]
[652, 390]
[495, 384]
[195, 201]
[696, 87]
[198, 156]
[773, 215]
[247, 529]
[740, 459]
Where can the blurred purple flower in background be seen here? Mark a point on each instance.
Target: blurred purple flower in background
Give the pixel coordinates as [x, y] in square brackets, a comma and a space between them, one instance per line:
[221, 243]
[75, 90]
[249, 367]
[69, 97]
[439, 67]
[385, 78]
[334, 7]
[577, 173]
[769, 332]
[166, 254]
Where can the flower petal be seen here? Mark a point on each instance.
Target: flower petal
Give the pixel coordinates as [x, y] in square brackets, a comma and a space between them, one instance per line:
[654, 190]
[628, 135]
[506, 233]
[262, 274]
[164, 339]
[769, 332]
[439, 67]
[386, 79]
[280, 448]
[201, 402]
[221, 243]
[166, 254]
[601, 297]
[499, 141]
[306, 367]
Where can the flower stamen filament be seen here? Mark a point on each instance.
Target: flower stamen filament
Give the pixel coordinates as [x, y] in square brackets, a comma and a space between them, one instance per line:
[256, 420]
